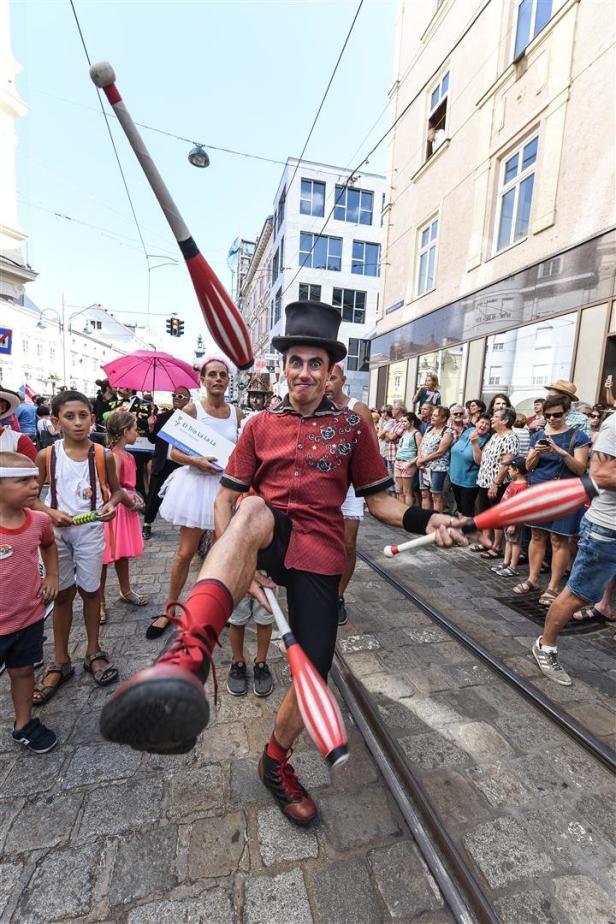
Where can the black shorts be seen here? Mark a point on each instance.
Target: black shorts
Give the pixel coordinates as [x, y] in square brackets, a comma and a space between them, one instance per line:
[312, 598]
[23, 648]
[484, 502]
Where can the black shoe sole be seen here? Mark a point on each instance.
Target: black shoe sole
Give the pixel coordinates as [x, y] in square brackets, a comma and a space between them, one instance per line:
[233, 692]
[161, 715]
[269, 692]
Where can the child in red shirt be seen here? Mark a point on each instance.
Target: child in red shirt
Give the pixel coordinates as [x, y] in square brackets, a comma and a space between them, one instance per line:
[513, 534]
[23, 532]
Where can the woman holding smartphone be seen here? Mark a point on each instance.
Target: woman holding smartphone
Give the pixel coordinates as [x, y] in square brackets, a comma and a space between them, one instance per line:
[557, 451]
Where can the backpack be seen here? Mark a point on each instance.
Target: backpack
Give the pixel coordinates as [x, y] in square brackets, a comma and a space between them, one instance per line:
[97, 466]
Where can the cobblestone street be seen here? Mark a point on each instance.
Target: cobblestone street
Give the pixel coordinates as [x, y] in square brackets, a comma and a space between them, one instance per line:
[95, 832]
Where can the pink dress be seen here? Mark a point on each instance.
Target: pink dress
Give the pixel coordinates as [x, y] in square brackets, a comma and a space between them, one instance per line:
[123, 537]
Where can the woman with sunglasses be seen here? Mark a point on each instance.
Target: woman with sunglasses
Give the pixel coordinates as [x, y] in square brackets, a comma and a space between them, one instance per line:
[596, 417]
[557, 451]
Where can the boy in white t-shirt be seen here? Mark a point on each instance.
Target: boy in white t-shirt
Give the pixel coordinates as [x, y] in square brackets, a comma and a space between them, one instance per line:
[82, 478]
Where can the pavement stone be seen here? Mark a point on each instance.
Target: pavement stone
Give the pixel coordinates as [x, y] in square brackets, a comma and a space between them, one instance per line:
[282, 842]
[479, 740]
[582, 901]
[120, 807]
[93, 763]
[404, 881]
[61, 886]
[222, 742]
[280, 899]
[344, 893]
[459, 803]
[212, 907]
[9, 876]
[364, 642]
[44, 821]
[530, 907]
[30, 774]
[195, 790]
[504, 854]
[145, 864]
[433, 751]
[353, 819]
[216, 845]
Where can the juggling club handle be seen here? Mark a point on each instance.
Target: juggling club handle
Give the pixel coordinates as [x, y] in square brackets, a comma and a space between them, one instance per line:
[429, 539]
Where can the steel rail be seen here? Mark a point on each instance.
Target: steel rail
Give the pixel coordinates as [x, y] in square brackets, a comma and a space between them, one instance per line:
[567, 723]
[460, 889]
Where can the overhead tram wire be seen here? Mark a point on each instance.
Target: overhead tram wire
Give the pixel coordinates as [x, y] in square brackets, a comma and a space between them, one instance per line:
[327, 89]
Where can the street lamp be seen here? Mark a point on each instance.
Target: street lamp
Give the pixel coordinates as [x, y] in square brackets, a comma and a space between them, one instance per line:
[64, 322]
[199, 157]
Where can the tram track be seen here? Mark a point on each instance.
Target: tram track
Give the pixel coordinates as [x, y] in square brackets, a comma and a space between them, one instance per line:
[465, 897]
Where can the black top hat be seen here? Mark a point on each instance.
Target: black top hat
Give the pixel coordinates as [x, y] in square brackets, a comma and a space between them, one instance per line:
[312, 324]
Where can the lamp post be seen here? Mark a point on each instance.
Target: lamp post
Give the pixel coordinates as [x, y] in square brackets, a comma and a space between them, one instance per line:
[64, 321]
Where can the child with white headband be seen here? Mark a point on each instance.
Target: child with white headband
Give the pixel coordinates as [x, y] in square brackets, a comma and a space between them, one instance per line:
[23, 533]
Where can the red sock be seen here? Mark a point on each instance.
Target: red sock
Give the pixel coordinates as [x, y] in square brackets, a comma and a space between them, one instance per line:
[210, 604]
[275, 750]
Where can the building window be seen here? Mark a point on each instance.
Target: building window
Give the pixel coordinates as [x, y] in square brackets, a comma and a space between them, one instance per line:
[426, 267]
[275, 266]
[354, 205]
[39, 351]
[281, 250]
[437, 115]
[532, 16]
[320, 251]
[366, 258]
[25, 345]
[516, 194]
[358, 356]
[277, 306]
[352, 303]
[552, 267]
[52, 354]
[540, 375]
[494, 377]
[312, 198]
[498, 346]
[309, 293]
[281, 204]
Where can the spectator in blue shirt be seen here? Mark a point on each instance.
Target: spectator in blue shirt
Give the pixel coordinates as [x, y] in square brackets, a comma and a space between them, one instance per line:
[26, 415]
[465, 462]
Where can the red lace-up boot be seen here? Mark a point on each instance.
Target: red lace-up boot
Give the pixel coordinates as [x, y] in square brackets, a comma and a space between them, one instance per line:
[163, 708]
[277, 774]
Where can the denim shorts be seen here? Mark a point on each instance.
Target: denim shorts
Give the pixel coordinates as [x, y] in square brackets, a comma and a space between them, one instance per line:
[595, 562]
[433, 481]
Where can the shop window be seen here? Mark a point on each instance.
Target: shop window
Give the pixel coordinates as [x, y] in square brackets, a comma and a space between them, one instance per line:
[448, 365]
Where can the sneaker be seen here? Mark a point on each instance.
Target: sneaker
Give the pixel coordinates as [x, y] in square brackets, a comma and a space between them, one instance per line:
[497, 568]
[343, 616]
[163, 708]
[291, 797]
[508, 571]
[237, 681]
[550, 665]
[36, 736]
[262, 681]
[146, 531]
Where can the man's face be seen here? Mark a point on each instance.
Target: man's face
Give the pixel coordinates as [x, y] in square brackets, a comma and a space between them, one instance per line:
[256, 399]
[499, 404]
[125, 393]
[426, 411]
[4, 408]
[335, 383]
[180, 398]
[307, 372]
[215, 378]
[538, 407]
[74, 419]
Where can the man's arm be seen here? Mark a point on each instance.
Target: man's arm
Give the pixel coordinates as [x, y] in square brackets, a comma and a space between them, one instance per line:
[388, 510]
[603, 470]
[224, 506]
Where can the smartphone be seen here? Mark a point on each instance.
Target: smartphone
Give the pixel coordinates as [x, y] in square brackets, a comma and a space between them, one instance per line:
[608, 381]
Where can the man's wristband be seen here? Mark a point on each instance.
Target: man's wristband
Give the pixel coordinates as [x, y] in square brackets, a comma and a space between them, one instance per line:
[415, 519]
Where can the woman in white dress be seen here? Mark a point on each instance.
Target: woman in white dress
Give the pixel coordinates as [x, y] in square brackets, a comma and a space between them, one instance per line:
[189, 492]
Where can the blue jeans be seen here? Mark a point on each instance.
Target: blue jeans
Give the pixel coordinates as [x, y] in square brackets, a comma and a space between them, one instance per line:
[595, 563]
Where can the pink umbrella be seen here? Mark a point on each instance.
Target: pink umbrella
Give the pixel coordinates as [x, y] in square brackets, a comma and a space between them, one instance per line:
[146, 370]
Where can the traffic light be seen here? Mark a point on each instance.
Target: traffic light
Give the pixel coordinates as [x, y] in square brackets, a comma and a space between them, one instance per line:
[175, 327]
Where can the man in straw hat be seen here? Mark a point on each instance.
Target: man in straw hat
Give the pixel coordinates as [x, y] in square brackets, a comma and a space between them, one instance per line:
[12, 440]
[567, 391]
[292, 466]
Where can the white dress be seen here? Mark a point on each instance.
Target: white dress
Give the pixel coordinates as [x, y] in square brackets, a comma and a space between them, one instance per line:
[188, 494]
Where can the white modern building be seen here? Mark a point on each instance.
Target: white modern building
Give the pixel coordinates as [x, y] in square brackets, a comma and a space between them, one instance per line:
[325, 245]
[500, 242]
[45, 348]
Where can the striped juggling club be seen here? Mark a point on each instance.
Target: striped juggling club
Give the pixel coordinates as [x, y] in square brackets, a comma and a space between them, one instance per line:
[539, 503]
[223, 319]
[319, 709]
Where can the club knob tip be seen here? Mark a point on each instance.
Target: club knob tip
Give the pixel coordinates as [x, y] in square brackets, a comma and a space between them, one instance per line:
[102, 74]
[390, 550]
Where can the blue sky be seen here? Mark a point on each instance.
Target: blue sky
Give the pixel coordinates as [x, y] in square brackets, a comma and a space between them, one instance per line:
[245, 75]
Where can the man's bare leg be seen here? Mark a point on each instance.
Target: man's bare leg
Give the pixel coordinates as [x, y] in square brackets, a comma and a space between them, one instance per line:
[351, 529]
[288, 724]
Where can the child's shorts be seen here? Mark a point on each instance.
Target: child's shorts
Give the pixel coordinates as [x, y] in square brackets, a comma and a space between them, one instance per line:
[23, 648]
[404, 469]
[513, 534]
[80, 556]
[248, 607]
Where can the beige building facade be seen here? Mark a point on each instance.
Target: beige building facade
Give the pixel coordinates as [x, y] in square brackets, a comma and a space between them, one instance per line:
[499, 256]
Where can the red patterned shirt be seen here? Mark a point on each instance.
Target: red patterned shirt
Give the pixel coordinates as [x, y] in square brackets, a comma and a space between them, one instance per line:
[20, 604]
[393, 437]
[303, 466]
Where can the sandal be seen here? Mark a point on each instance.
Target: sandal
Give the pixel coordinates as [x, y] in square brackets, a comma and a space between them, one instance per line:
[475, 547]
[525, 588]
[153, 631]
[508, 571]
[588, 614]
[104, 675]
[135, 599]
[102, 615]
[491, 553]
[547, 598]
[42, 694]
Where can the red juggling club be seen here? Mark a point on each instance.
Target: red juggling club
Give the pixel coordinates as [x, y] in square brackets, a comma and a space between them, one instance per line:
[223, 319]
[317, 704]
[537, 504]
